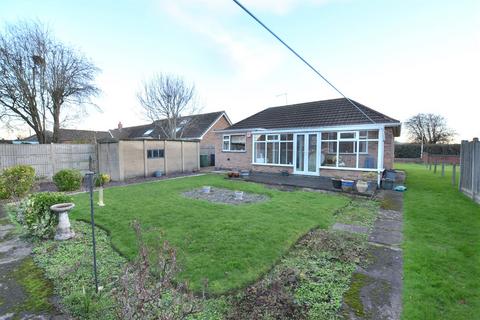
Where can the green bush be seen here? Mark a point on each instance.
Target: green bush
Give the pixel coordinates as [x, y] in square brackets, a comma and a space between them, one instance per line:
[35, 215]
[16, 181]
[413, 150]
[102, 179]
[68, 180]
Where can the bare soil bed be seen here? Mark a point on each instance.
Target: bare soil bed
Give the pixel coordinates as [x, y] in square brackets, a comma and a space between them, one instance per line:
[226, 196]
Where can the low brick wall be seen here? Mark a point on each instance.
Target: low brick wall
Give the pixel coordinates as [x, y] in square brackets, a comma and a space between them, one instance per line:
[408, 160]
[440, 158]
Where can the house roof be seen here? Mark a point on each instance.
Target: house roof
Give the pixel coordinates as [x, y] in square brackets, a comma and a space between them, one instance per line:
[194, 127]
[323, 113]
[73, 135]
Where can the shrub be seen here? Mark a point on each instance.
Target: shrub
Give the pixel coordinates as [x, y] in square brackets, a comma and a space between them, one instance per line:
[102, 179]
[16, 181]
[68, 180]
[407, 150]
[148, 290]
[35, 215]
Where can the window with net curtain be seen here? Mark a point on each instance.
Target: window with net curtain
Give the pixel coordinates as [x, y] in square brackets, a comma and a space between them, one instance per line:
[234, 142]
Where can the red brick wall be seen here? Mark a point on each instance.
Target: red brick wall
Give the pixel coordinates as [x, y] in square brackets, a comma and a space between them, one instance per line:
[389, 149]
[440, 158]
[233, 160]
[210, 138]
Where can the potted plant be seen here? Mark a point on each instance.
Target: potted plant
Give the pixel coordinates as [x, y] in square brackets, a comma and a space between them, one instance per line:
[337, 182]
[347, 185]
[233, 174]
[101, 180]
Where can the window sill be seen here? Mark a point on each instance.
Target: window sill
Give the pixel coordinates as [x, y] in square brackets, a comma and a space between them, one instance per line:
[272, 164]
[351, 169]
[234, 151]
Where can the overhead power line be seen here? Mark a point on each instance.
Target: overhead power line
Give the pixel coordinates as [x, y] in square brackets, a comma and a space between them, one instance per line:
[301, 58]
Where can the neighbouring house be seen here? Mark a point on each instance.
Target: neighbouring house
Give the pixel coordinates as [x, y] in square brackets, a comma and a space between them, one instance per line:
[198, 127]
[322, 138]
[69, 136]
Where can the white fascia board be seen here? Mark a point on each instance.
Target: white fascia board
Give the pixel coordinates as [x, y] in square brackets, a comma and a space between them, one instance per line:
[330, 128]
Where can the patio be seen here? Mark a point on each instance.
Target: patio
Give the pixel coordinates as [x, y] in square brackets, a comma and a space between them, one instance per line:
[302, 181]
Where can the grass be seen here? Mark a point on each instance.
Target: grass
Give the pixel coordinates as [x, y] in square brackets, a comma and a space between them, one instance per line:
[441, 248]
[230, 245]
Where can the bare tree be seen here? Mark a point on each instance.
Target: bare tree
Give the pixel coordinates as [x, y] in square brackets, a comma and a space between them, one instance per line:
[168, 98]
[429, 128]
[40, 77]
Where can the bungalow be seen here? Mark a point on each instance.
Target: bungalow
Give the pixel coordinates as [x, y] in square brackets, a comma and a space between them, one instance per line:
[321, 138]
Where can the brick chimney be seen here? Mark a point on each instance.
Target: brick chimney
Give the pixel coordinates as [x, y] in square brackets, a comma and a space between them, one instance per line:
[120, 125]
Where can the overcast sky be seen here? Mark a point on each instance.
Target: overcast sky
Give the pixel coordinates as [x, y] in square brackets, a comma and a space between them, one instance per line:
[398, 57]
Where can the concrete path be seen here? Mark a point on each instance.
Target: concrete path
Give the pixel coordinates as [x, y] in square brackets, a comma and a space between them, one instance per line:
[378, 287]
[13, 252]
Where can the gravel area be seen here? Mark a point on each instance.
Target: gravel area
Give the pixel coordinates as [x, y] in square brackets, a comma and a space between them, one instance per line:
[219, 195]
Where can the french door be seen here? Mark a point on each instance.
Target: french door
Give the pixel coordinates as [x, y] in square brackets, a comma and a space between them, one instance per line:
[306, 153]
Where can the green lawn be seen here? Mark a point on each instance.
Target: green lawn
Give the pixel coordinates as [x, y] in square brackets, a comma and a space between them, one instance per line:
[230, 245]
[441, 248]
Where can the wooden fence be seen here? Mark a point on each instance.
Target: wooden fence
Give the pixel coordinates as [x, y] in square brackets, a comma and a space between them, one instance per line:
[48, 159]
[470, 169]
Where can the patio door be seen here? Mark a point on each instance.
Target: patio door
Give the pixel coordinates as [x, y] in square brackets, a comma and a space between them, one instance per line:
[306, 153]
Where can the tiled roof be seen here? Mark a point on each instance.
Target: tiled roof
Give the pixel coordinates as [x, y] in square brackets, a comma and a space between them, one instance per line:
[194, 127]
[313, 114]
[73, 135]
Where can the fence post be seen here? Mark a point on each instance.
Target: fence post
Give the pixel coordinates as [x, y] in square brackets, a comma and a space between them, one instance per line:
[474, 152]
[462, 165]
[435, 167]
[454, 174]
[443, 169]
[430, 166]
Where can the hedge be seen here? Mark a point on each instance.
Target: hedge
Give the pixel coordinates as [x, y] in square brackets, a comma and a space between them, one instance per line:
[412, 150]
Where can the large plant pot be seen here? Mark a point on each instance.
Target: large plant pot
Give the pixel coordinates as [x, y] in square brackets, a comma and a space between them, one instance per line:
[362, 186]
[347, 185]
[337, 183]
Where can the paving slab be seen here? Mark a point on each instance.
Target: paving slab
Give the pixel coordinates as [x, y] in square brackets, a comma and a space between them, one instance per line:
[376, 290]
[350, 228]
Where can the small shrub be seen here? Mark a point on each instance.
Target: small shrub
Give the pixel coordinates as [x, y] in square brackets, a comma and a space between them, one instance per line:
[35, 215]
[68, 180]
[16, 181]
[148, 290]
[102, 179]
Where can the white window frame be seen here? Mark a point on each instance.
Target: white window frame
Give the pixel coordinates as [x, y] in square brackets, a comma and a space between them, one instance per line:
[228, 137]
[356, 146]
[274, 138]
